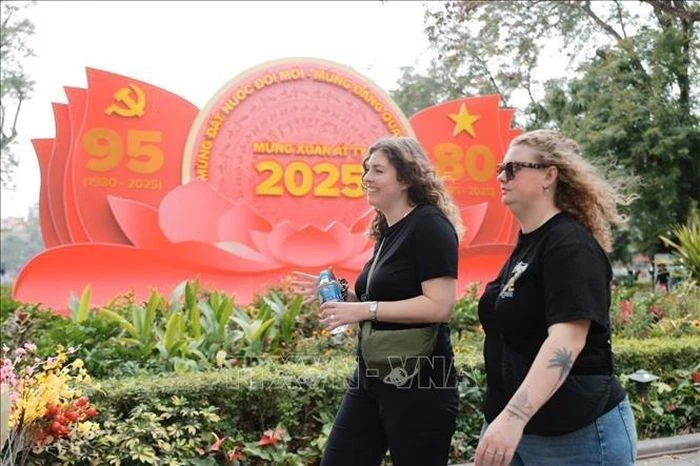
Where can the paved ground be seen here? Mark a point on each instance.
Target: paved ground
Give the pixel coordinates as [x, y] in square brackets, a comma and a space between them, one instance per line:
[685, 459]
[683, 450]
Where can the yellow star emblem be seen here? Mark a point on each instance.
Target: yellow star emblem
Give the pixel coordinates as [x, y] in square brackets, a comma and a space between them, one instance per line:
[464, 121]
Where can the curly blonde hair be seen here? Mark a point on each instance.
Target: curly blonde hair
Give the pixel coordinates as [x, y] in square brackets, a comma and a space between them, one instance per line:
[581, 190]
[409, 159]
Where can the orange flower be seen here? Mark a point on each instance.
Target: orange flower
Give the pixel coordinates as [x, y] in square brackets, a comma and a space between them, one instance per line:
[657, 310]
[695, 377]
[626, 310]
[234, 454]
[271, 437]
[216, 446]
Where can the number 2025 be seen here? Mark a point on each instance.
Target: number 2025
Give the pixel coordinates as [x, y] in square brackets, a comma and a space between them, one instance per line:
[299, 179]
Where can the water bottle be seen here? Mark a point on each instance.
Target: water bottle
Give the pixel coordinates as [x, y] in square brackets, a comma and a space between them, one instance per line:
[329, 290]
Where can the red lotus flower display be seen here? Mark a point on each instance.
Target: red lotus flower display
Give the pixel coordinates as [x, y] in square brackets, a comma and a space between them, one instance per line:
[142, 190]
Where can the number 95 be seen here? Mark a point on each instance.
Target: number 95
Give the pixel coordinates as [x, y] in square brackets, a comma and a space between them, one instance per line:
[105, 148]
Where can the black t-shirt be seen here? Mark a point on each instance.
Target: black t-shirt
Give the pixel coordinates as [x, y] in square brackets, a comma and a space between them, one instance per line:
[419, 247]
[557, 273]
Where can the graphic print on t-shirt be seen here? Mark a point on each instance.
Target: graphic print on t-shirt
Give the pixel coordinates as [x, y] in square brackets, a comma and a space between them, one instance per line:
[509, 288]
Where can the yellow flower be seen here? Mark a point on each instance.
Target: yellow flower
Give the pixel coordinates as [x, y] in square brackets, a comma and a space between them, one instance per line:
[87, 426]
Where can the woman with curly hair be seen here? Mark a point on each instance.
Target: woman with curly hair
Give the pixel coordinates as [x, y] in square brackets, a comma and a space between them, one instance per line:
[552, 397]
[410, 283]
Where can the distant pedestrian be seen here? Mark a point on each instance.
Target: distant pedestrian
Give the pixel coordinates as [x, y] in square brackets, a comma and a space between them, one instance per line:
[662, 278]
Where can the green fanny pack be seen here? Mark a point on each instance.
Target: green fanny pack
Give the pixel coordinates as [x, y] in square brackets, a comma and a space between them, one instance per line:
[396, 356]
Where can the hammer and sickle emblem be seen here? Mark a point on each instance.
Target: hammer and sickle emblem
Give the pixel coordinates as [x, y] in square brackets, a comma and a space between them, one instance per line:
[131, 107]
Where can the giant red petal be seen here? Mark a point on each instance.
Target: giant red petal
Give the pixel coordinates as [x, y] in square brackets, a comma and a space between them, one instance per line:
[237, 222]
[139, 222]
[308, 246]
[76, 112]
[43, 148]
[191, 212]
[56, 171]
[481, 264]
[358, 260]
[149, 145]
[363, 221]
[230, 259]
[473, 218]
[122, 269]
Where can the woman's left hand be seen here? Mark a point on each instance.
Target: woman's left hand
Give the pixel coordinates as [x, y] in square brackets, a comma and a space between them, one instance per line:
[336, 313]
[497, 445]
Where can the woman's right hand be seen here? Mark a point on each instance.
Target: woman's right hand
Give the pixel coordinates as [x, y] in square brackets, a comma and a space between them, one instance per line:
[306, 285]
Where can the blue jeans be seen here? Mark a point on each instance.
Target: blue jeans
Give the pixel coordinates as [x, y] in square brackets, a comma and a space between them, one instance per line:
[610, 440]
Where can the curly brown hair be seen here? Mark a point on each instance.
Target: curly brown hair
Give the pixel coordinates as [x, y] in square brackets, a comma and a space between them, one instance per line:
[412, 166]
[581, 190]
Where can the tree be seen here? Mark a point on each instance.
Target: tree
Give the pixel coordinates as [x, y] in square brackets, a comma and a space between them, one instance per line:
[416, 91]
[15, 85]
[20, 244]
[626, 87]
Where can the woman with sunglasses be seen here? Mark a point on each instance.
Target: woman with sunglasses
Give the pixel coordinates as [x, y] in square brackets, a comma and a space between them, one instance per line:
[552, 397]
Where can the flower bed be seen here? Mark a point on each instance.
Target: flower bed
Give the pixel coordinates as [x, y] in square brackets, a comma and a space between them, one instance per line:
[194, 379]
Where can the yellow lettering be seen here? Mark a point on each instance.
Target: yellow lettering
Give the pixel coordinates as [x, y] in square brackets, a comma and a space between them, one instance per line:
[266, 147]
[228, 106]
[302, 148]
[214, 125]
[290, 75]
[264, 81]
[332, 78]
[202, 174]
[259, 147]
[202, 168]
[204, 153]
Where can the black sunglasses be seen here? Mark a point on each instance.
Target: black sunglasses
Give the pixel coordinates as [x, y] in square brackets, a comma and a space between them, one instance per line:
[511, 168]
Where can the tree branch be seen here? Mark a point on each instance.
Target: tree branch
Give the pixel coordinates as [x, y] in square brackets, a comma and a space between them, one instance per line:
[624, 44]
[678, 11]
[620, 19]
[483, 65]
[20, 99]
[586, 6]
[527, 84]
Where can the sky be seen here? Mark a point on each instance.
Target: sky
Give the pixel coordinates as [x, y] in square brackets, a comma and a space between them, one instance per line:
[194, 48]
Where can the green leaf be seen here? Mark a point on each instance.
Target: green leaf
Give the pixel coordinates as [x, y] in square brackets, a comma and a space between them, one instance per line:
[176, 296]
[123, 323]
[81, 312]
[174, 331]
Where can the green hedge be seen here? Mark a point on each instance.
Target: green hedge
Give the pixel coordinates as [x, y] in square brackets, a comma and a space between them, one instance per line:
[303, 398]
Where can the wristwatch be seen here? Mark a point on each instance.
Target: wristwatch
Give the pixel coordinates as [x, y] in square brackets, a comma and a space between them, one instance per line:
[373, 311]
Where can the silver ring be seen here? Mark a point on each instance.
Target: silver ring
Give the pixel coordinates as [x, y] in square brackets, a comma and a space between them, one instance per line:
[499, 453]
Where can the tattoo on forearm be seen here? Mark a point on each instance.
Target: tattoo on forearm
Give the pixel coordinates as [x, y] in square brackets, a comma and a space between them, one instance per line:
[562, 360]
[520, 406]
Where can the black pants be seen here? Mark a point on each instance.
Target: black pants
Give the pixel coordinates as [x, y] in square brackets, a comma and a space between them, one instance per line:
[415, 423]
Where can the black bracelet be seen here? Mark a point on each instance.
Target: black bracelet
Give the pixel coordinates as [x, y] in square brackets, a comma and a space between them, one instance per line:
[344, 288]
